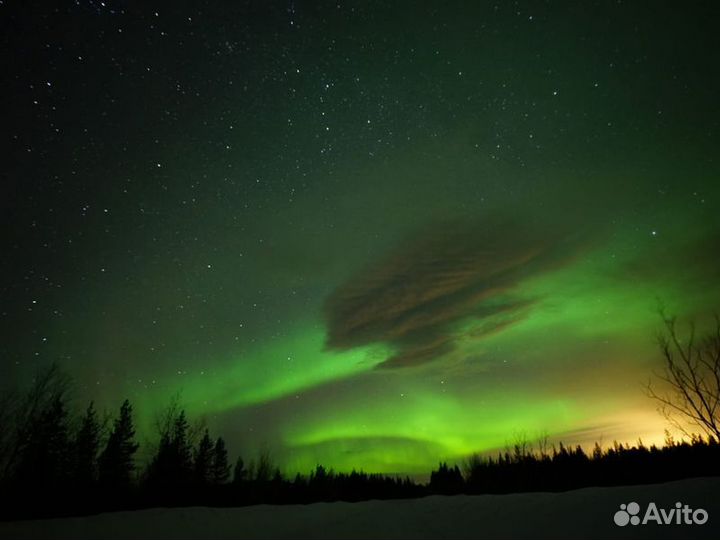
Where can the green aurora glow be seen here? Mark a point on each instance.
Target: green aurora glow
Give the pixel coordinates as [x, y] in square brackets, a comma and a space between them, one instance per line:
[360, 246]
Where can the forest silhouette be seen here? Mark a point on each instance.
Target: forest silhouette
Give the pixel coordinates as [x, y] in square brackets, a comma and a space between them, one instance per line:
[54, 463]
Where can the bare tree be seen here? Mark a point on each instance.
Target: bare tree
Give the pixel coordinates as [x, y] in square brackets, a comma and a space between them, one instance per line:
[691, 377]
[543, 444]
[20, 413]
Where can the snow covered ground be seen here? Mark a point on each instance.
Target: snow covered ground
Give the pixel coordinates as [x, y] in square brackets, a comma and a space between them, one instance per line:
[585, 513]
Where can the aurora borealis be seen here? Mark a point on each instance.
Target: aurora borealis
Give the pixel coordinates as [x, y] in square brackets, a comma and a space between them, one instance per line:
[358, 234]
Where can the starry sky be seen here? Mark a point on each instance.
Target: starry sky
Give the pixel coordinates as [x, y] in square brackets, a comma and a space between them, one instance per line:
[354, 233]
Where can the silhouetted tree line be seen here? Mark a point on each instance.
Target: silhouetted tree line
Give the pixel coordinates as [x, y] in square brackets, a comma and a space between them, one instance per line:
[55, 464]
[562, 468]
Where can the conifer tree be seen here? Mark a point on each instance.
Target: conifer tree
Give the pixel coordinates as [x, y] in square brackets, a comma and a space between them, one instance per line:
[203, 460]
[116, 464]
[87, 444]
[173, 463]
[220, 467]
[182, 451]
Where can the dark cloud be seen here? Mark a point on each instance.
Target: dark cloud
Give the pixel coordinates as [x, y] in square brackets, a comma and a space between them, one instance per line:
[500, 319]
[412, 354]
[442, 274]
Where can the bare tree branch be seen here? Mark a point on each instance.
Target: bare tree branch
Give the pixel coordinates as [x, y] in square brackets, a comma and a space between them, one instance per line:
[691, 375]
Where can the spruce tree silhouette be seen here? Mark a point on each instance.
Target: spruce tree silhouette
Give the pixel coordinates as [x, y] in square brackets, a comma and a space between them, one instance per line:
[220, 470]
[182, 450]
[116, 463]
[446, 480]
[172, 465]
[87, 445]
[203, 460]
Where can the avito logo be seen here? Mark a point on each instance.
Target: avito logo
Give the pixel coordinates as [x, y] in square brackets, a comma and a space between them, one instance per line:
[680, 515]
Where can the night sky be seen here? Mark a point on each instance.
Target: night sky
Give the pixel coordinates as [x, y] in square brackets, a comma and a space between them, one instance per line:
[356, 234]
